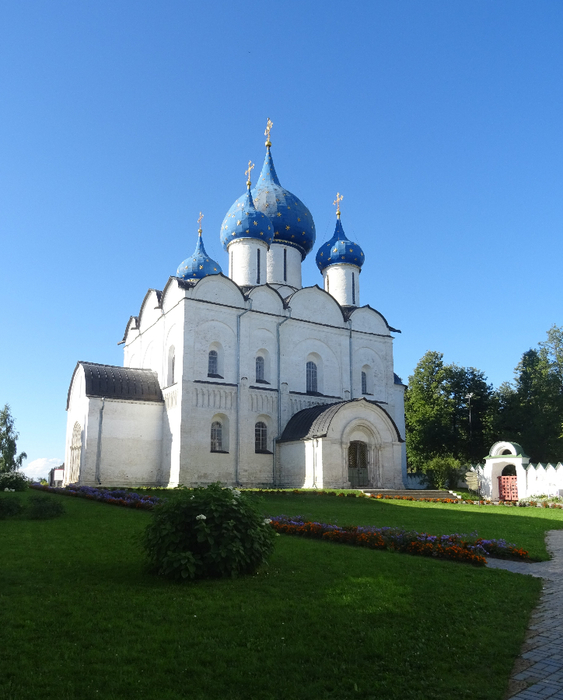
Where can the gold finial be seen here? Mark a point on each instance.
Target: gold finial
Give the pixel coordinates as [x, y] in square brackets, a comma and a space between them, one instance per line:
[199, 221]
[247, 173]
[269, 126]
[337, 201]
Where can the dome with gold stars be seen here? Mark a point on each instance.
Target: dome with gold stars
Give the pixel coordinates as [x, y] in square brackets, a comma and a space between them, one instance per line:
[339, 250]
[243, 220]
[293, 223]
[199, 264]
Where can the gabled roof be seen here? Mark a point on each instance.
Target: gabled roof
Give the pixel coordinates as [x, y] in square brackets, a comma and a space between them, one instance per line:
[112, 382]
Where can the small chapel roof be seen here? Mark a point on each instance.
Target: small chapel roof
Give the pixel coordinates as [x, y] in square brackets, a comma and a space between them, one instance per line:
[112, 382]
[315, 421]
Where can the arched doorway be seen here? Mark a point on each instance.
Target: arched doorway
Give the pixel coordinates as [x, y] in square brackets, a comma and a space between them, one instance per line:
[75, 455]
[358, 464]
[508, 484]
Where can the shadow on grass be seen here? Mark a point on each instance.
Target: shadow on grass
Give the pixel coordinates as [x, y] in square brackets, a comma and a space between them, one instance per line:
[525, 527]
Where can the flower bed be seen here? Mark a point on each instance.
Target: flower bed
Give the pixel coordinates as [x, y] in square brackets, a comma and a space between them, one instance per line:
[117, 497]
[458, 547]
[467, 548]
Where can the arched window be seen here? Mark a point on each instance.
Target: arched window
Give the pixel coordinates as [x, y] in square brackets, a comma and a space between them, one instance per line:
[213, 364]
[216, 436]
[311, 378]
[258, 266]
[260, 437]
[353, 289]
[367, 377]
[285, 264]
[260, 374]
[171, 365]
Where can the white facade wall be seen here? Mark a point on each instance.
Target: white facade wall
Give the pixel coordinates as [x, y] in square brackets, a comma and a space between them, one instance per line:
[532, 479]
[343, 283]
[248, 261]
[173, 439]
[284, 265]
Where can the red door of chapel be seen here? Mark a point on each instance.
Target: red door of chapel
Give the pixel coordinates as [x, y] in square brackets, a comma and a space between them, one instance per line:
[508, 488]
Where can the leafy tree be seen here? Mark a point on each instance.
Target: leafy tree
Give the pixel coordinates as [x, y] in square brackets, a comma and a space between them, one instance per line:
[426, 411]
[444, 472]
[531, 409]
[448, 412]
[8, 441]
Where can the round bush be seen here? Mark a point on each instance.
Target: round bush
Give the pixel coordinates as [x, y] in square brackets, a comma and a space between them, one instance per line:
[44, 508]
[206, 532]
[15, 480]
[9, 506]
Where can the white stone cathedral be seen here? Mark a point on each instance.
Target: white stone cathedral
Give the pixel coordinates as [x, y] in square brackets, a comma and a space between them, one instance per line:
[248, 379]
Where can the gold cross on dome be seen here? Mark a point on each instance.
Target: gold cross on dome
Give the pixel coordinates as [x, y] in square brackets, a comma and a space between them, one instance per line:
[199, 221]
[248, 172]
[336, 202]
[269, 126]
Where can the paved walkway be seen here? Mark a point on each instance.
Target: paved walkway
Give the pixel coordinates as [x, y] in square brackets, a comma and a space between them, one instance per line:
[538, 672]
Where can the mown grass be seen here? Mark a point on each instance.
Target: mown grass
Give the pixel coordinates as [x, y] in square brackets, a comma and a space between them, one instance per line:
[525, 527]
[82, 619]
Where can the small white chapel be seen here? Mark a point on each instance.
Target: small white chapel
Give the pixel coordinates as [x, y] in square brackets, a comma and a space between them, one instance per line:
[247, 378]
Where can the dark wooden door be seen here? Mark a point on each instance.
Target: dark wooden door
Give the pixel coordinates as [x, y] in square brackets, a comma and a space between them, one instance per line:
[358, 464]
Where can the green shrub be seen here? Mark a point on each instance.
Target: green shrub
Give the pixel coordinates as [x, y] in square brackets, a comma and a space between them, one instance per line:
[9, 506]
[15, 480]
[206, 532]
[44, 508]
[443, 472]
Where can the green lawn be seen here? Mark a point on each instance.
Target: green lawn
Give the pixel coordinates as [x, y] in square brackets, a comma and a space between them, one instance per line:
[80, 618]
[525, 527]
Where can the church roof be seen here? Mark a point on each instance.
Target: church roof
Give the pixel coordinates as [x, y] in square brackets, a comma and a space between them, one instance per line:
[292, 221]
[339, 250]
[112, 382]
[199, 264]
[315, 421]
[244, 220]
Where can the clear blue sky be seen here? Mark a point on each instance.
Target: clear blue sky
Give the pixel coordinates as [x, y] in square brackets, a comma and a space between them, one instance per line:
[439, 121]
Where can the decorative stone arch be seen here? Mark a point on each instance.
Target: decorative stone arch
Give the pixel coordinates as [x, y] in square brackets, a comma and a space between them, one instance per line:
[171, 369]
[504, 457]
[266, 433]
[503, 447]
[148, 356]
[316, 386]
[72, 475]
[219, 442]
[357, 433]
[366, 380]
[216, 360]
[262, 367]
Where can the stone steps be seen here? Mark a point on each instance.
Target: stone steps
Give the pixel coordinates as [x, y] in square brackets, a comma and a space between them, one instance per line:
[414, 493]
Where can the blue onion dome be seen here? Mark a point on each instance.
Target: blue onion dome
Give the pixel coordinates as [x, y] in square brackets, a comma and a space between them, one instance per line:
[339, 250]
[243, 220]
[199, 264]
[293, 223]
